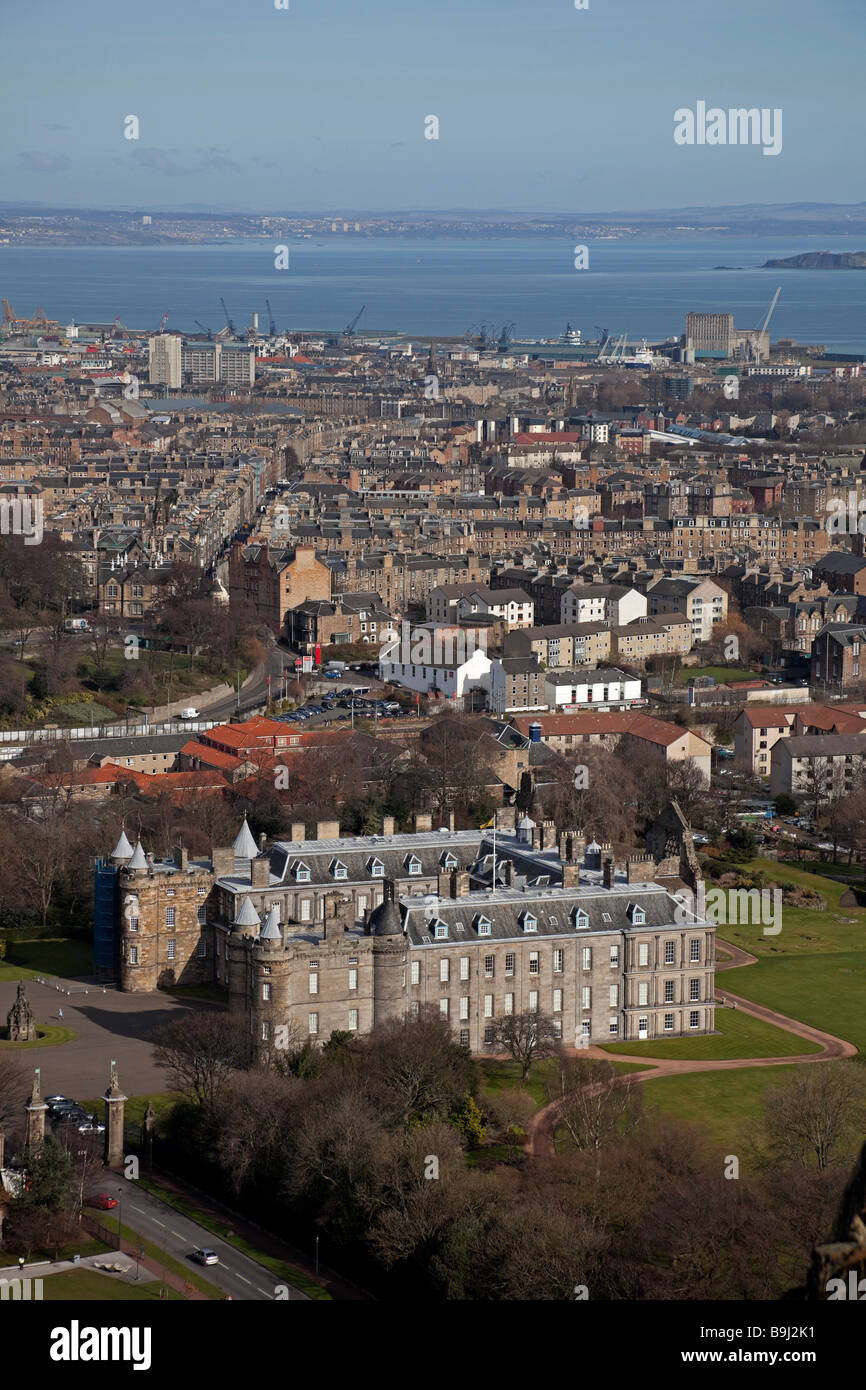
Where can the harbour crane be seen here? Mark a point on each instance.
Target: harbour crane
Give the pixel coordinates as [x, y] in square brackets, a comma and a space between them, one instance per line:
[229, 323]
[754, 344]
[350, 330]
[204, 329]
[505, 336]
[163, 321]
[272, 327]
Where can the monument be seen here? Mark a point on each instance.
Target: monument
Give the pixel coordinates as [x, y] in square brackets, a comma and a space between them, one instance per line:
[20, 1020]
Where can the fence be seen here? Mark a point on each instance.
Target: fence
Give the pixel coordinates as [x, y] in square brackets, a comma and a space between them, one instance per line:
[67, 986]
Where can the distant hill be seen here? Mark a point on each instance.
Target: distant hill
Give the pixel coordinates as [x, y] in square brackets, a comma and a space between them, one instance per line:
[820, 260]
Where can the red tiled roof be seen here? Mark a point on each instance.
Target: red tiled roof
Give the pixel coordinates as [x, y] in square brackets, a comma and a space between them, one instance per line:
[642, 726]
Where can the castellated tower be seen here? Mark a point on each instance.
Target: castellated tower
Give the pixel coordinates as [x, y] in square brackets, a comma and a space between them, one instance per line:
[163, 922]
[299, 982]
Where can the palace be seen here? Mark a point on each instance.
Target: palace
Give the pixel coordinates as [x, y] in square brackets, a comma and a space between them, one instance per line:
[332, 933]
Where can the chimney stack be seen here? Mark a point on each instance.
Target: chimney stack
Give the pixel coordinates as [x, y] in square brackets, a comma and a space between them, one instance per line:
[298, 832]
[328, 830]
[459, 883]
[387, 825]
[608, 869]
[263, 840]
[423, 821]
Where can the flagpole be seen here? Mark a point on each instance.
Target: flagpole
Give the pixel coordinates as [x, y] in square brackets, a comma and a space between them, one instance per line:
[493, 884]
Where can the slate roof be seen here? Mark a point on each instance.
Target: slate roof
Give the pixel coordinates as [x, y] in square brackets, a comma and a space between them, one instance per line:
[552, 908]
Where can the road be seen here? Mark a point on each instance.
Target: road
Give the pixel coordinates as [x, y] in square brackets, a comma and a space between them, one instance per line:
[236, 1273]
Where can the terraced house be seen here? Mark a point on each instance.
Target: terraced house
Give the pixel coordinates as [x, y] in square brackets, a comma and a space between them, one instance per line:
[339, 933]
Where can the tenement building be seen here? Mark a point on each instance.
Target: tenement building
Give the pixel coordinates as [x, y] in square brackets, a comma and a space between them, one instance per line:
[313, 936]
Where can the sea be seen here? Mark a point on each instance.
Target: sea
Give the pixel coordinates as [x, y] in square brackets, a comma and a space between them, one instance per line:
[643, 287]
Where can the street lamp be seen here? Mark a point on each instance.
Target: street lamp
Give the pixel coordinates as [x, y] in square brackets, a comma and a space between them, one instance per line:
[317, 1255]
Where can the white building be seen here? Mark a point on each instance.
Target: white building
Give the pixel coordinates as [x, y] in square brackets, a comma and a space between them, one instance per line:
[602, 603]
[452, 681]
[605, 688]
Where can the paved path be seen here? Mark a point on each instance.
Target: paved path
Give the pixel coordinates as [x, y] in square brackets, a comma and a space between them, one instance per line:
[542, 1127]
[108, 1025]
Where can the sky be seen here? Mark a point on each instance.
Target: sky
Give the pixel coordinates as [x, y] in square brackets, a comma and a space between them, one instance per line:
[323, 106]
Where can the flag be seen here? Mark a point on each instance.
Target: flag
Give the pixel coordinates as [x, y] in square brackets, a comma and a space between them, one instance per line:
[487, 824]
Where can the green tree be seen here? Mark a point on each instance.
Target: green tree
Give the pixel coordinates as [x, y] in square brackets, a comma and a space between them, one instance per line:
[468, 1119]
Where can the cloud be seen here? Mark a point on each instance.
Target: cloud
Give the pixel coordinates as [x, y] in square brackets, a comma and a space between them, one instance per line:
[164, 162]
[36, 162]
[53, 125]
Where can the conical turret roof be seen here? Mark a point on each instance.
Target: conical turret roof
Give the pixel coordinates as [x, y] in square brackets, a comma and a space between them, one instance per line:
[247, 915]
[245, 846]
[138, 860]
[123, 849]
[271, 930]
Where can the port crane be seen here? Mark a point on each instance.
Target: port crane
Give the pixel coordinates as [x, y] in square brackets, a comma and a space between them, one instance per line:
[752, 345]
[204, 330]
[229, 323]
[272, 327]
[349, 331]
[505, 337]
[163, 321]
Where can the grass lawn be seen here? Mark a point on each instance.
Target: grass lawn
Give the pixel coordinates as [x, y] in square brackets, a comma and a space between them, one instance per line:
[720, 674]
[727, 1105]
[283, 1271]
[503, 1076]
[738, 1035]
[52, 1034]
[89, 1285]
[826, 991]
[69, 957]
[82, 712]
[90, 1246]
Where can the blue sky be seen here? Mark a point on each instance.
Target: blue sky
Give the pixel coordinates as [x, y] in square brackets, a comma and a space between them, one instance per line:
[541, 107]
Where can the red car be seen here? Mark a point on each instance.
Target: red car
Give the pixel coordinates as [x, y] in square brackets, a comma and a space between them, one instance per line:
[102, 1201]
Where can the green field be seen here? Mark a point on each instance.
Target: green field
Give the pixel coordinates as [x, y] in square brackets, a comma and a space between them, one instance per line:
[722, 675]
[90, 1285]
[68, 957]
[737, 1035]
[728, 1106]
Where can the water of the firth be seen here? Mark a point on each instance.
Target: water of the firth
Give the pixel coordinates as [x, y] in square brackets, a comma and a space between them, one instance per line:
[643, 288]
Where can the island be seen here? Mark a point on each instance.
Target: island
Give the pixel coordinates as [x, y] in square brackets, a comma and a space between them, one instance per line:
[820, 260]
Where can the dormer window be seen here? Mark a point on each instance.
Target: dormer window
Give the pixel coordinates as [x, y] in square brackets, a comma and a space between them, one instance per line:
[339, 870]
[376, 868]
[449, 861]
[482, 925]
[302, 873]
[635, 914]
[413, 864]
[440, 931]
[528, 922]
[581, 919]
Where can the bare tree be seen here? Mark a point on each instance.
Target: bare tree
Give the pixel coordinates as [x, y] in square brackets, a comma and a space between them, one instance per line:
[595, 1103]
[526, 1037]
[816, 1110]
[201, 1053]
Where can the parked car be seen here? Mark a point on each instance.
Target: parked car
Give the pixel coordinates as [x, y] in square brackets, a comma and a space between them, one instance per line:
[205, 1256]
[189, 713]
[101, 1200]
